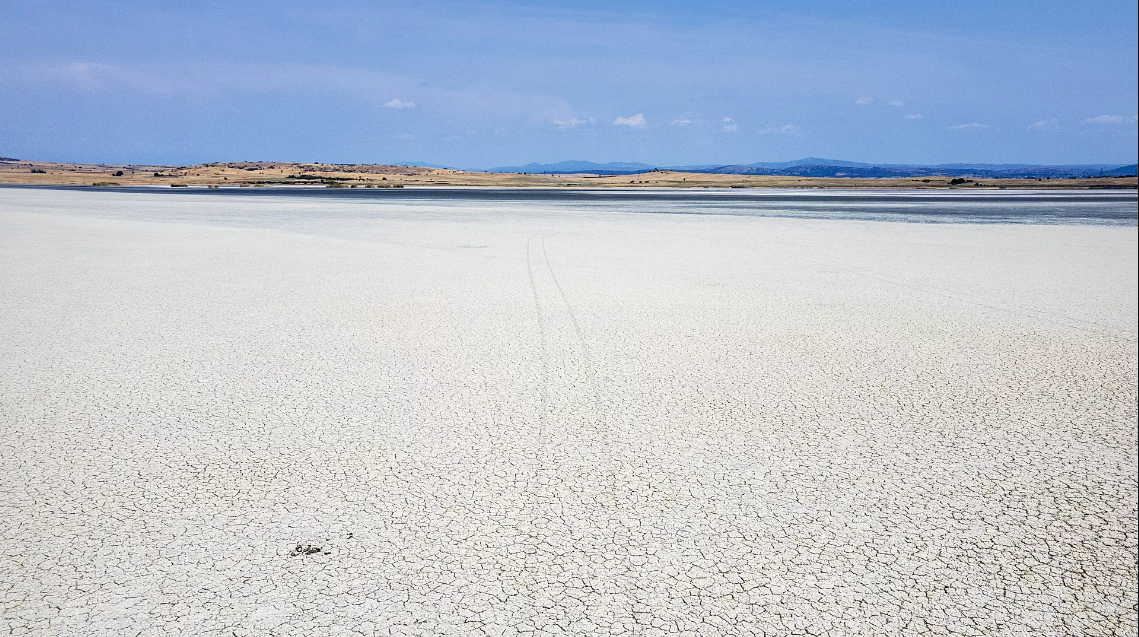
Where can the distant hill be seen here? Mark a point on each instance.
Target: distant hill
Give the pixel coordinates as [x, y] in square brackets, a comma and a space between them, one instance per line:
[808, 161]
[819, 167]
[1124, 171]
[571, 167]
[422, 164]
[993, 171]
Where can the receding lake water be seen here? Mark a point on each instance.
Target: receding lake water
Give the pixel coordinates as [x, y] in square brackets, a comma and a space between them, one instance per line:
[1082, 207]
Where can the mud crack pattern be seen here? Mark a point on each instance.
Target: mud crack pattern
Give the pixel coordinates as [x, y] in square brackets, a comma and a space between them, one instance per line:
[320, 418]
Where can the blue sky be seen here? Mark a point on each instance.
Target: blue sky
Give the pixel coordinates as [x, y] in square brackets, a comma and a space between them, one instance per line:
[481, 84]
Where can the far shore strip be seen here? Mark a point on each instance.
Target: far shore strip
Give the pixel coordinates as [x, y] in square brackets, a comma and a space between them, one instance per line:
[253, 174]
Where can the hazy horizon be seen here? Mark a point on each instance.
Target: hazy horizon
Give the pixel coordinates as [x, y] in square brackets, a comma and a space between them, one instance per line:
[479, 85]
[521, 165]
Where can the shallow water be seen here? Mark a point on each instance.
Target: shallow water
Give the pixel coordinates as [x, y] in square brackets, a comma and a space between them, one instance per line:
[1083, 207]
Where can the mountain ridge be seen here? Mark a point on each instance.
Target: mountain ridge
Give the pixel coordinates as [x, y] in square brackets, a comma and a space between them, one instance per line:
[821, 167]
[574, 166]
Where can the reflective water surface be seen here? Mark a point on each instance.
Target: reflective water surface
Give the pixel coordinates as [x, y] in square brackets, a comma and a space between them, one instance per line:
[1082, 207]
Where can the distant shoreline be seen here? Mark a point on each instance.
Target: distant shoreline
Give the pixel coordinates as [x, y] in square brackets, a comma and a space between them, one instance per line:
[286, 174]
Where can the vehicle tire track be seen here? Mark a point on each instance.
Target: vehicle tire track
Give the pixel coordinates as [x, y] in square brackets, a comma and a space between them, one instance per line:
[543, 350]
[586, 356]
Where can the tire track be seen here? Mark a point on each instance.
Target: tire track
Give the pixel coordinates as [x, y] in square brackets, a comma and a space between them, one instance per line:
[586, 356]
[544, 381]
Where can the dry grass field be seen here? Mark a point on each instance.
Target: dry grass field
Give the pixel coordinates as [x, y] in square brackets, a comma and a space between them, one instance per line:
[254, 174]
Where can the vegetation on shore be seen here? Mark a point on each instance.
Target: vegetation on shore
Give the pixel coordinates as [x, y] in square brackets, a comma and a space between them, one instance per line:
[260, 174]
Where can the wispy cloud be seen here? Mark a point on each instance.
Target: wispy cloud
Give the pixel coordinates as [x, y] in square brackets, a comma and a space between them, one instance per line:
[896, 103]
[729, 125]
[680, 121]
[971, 126]
[864, 101]
[214, 81]
[633, 121]
[1045, 124]
[915, 116]
[572, 122]
[1106, 119]
[786, 129]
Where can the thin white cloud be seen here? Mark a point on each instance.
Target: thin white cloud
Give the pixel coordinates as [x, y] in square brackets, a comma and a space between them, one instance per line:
[398, 103]
[729, 125]
[680, 121]
[633, 121]
[786, 129]
[970, 126]
[896, 103]
[94, 76]
[86, 74]
[1106, 119]
[1045, 124]
[406, 136]
[212, 81]
[864, 101]
[572, 122]
[915, 116]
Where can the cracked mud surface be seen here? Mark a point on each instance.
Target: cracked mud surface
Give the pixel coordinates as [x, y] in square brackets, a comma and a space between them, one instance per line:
[543, 420]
